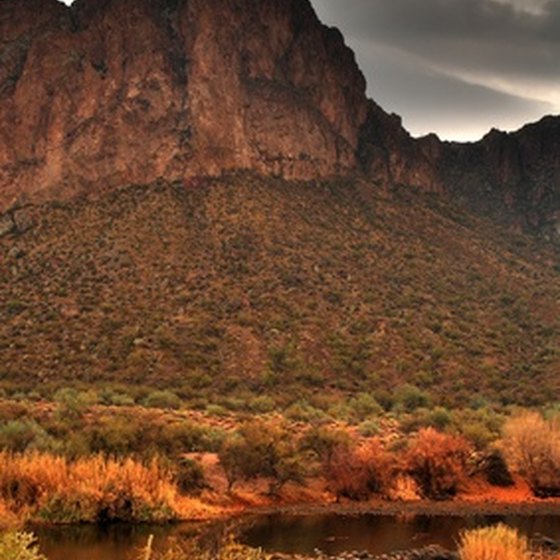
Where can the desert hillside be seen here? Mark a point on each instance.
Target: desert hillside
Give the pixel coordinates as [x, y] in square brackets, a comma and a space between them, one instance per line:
[228, 289]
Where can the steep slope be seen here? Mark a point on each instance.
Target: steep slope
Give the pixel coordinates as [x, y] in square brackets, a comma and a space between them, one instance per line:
[245, 286]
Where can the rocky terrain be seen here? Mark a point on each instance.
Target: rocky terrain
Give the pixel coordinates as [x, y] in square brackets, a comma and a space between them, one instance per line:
[113, 92]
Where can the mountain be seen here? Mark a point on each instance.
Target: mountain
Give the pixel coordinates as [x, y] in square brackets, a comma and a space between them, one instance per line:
[113, 92]
[197, 194]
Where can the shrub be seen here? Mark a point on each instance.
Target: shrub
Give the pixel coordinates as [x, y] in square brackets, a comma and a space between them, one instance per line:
[162, 399]
[440, 418]
[498, 542]
[262, 449]
[495, 469]
[187, 437]
[359, 472]
[71, 403]
[409, 398]
[189, 476]
[437, 462]
[302, 411]
[19, 546]
[323, 441]
[532, 447]
[18, 435]
[369, 428]
[364, 405]
[227, 549]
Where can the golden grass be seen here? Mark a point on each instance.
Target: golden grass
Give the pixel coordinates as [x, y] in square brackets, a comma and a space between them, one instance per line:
[8, 519]
[39, 485]
[498, 542]
[532, 447]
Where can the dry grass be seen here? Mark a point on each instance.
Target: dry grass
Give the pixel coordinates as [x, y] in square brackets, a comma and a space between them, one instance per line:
[532, 447]
[498, 542]
[36, 485]
[227, 549]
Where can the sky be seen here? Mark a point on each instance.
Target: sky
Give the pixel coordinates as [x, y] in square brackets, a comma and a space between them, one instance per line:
[455, 67]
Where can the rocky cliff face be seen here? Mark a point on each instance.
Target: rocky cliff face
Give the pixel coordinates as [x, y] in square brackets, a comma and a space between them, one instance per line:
[113, 92]
[516, 175]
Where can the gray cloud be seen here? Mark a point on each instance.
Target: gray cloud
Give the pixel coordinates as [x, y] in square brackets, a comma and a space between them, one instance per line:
[463, 65]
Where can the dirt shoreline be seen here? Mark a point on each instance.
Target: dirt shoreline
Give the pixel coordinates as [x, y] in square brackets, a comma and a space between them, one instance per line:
[455, 508]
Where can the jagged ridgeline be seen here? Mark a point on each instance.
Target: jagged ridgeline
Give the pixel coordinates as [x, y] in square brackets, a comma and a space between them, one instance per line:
[291, 239]
[117, 92]
[244, 286]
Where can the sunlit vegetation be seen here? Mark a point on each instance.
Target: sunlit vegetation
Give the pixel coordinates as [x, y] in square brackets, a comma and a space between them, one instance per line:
[229, 549]
[127, 481]
[438, 462]
[498, 542]
[49, 488]
[19, 546]
[532, 445]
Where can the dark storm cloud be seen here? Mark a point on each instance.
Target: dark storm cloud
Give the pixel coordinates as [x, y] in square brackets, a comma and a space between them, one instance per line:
[464, 65]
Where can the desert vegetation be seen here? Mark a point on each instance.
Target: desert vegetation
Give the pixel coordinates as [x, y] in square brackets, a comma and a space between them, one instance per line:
[68, 462]
[252, 293]
[532, 444]
[97, 489]
[497, 542]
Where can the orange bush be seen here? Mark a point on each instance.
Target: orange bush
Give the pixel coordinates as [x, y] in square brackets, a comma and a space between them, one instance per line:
[437, 462]
[359, 472]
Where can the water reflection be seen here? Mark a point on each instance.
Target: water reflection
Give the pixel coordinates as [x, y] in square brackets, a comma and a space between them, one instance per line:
[286, 533]
[377, 534]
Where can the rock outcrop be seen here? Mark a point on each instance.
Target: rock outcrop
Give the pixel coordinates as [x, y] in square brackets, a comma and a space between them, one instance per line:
[516, 175]
[113, 92]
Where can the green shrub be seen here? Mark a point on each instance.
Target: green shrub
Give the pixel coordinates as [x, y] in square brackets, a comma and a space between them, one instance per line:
[17, 435]
[369, 428]
[408, 398]
[162, 399]
[364, 405]
[302, 411]
[71, 403]
[322, 441]
[440, 418]
[189, 437]
[189, 476]
[262, 449]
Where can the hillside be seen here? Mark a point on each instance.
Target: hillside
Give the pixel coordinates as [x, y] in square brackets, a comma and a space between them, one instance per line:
[228, 289]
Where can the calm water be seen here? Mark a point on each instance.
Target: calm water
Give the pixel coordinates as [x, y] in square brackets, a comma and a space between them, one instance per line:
[378, 533]
[288, 533]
